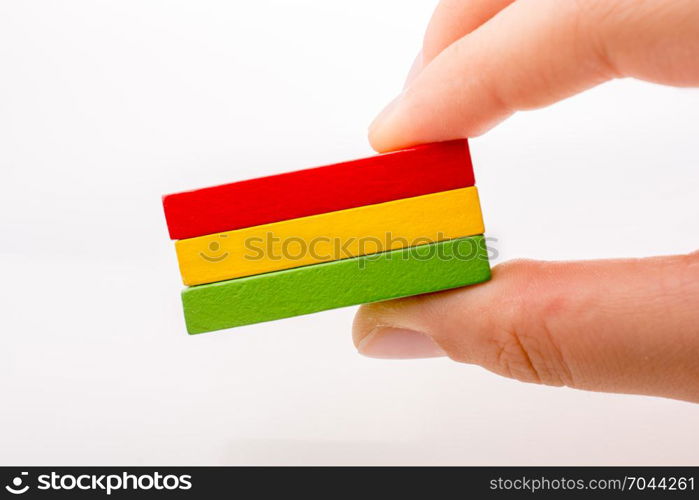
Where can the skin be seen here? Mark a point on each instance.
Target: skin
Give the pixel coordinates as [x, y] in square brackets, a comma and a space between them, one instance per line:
[628, 326]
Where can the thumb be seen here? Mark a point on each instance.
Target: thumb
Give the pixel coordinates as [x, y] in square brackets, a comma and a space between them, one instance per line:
[627, 326]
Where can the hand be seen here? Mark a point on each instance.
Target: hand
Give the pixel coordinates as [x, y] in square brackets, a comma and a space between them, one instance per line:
[615, 325]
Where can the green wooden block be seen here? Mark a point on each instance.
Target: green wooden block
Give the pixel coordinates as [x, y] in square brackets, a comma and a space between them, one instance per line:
[303, 290]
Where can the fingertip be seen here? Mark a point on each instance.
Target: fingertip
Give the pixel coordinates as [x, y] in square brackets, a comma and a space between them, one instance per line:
[382, 129]
[390, 313]
[394, 329]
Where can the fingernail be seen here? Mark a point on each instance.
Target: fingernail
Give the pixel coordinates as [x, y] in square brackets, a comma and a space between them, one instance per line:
[397, 343]
[414, 70]
[383, 116]
[383, 121]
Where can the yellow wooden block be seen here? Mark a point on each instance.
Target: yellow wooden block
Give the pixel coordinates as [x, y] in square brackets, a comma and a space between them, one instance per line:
[330, 236]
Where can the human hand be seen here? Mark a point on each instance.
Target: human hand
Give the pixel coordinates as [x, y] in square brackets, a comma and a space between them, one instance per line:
[614, 325]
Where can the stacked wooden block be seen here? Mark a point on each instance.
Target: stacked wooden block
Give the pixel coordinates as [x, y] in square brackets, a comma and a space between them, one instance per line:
[388, 226]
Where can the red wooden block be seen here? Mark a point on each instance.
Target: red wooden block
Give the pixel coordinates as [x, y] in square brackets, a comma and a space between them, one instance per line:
[425, 169]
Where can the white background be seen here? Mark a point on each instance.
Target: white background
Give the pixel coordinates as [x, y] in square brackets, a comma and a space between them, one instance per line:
[105, 106]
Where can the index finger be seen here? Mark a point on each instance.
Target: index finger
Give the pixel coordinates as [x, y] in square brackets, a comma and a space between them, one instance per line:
[453, 19]
[530, 54]
[536, 52]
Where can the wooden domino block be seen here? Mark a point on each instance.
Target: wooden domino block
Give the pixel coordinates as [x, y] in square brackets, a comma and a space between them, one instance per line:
[330, 236]
[303, 290]
[403, 174]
